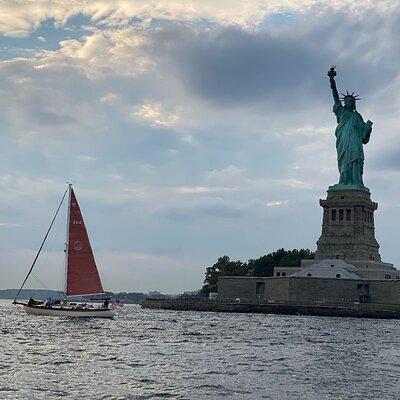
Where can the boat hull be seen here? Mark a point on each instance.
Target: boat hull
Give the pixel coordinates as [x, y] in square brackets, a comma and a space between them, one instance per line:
[69, 312]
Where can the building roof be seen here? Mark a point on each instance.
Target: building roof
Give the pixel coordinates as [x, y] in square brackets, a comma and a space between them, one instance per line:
[329, 268]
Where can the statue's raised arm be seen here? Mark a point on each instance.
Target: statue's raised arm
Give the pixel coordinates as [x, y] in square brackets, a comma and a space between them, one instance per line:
[332, 74]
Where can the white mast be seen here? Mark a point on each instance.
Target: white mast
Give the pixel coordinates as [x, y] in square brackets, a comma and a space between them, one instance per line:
[67, 238]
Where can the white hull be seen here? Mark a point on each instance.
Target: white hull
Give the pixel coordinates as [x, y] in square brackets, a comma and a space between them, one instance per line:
[67, 312]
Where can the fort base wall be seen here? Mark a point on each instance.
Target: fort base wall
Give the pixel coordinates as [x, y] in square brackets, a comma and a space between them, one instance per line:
[296, 289]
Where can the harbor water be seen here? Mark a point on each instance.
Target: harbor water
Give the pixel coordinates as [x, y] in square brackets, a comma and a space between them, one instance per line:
[156, 354]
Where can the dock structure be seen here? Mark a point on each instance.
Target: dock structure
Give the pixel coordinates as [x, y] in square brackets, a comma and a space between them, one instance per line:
[327, 309]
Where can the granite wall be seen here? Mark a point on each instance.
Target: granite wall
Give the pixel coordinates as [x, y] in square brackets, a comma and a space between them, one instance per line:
[308, 289]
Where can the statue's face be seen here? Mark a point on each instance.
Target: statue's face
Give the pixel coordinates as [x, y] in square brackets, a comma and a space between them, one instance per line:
[349, 103]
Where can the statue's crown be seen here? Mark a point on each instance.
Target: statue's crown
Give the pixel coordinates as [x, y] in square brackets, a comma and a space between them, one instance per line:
[349, 96]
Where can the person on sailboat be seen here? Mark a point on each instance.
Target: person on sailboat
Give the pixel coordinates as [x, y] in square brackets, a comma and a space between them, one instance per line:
[118, 303]
[106, 303]
[47, 303]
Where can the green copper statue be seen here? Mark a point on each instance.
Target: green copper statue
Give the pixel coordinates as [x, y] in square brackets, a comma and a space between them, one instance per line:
[351, 133]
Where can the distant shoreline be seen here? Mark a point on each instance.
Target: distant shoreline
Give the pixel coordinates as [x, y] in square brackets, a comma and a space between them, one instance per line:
[125, 297]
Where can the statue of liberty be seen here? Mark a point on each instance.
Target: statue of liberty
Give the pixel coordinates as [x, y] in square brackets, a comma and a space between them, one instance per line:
[351, 133]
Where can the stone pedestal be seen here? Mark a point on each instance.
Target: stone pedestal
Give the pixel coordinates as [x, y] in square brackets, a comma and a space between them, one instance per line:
[348, 230]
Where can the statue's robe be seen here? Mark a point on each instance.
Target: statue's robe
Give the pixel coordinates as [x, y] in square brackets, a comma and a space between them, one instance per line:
[351, 133]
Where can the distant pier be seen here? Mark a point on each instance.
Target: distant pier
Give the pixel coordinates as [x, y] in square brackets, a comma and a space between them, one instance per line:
[383, 311]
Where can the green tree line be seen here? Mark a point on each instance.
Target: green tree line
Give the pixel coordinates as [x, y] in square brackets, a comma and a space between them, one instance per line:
[263, 266]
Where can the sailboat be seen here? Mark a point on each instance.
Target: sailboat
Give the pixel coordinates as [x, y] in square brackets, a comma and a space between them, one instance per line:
[81, 275]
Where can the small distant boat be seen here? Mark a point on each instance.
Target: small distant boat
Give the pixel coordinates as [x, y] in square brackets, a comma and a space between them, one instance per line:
[81, 275]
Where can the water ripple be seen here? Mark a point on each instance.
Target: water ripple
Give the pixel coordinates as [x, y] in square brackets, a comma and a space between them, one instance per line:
[153, 354]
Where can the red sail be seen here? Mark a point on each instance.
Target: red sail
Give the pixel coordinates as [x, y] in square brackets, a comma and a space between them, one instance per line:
[82, 275]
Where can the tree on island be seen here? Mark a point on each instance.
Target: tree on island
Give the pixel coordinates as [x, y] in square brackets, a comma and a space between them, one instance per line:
[263, 266]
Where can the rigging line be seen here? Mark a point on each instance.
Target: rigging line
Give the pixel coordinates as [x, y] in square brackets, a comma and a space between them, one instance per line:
[40, 282]
[41, 246]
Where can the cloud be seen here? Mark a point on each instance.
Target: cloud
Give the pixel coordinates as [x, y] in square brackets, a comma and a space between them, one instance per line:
[231, 67]
[218, 71]
[116, 177]
[140, 267]
[86, 158]
[27, 203]
[230, 175]
[9, 225]
[43, 107]
[100, 54]
[204, 189]
[43, 104]
[18, 18]
[109, 98]
[235, 177]
[48, 272]
[277, 203]
[210, 209]
[171, 193]
[227, 194]
[13, 186]
[155, 114]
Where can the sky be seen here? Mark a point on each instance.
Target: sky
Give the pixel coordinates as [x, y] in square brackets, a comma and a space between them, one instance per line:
[189, 129]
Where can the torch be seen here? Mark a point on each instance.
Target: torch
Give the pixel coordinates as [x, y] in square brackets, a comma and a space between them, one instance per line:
[332, 72]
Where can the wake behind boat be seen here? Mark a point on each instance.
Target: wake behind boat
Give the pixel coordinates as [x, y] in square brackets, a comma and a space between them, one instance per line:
[81, 278]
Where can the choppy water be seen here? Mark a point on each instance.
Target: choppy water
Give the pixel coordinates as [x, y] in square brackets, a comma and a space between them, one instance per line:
[151, 354]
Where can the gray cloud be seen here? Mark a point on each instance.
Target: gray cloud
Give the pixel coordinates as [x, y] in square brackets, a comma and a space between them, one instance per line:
[389, 161]
[219, 209]
[230, 66]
